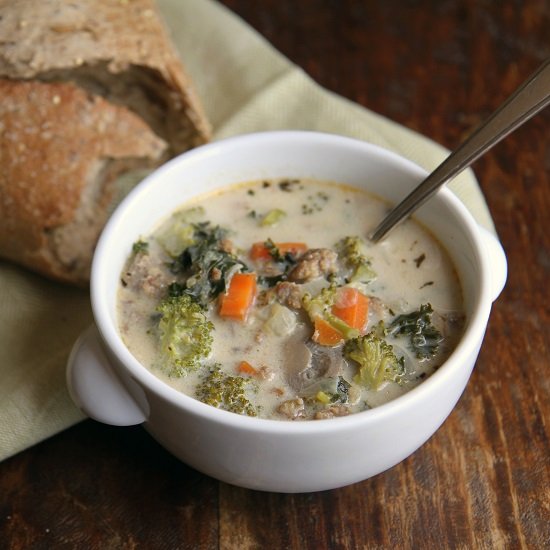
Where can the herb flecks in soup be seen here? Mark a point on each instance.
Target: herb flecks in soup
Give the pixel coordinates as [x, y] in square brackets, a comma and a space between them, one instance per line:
[267, 299]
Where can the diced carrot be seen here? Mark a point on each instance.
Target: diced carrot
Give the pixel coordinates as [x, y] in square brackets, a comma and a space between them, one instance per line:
[238, 299]
[259, 251]
[352, 307]
[246, 368]
[325, 334]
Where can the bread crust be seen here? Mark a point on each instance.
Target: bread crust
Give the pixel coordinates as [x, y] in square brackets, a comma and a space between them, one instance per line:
[60, 151]
[56, 39]
[89, 90]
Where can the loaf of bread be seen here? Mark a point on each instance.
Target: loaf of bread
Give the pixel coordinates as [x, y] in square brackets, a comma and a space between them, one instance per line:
[89, 90]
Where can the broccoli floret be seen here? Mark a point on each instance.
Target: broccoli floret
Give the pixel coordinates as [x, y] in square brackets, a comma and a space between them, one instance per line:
[424, 338]
[320, 307]
[185, 333]
[223, 391]
[376, 358]
[350, 252]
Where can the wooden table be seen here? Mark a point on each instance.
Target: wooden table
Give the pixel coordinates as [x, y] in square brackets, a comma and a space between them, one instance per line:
[483, 481]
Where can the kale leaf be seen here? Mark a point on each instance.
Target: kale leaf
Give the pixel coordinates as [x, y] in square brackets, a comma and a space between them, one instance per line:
[424, 338]
[205, 266]
[342, 391]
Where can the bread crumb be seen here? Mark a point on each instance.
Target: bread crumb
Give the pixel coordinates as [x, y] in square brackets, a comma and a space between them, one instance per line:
[56, 100]
[78, 61]
[147, 13]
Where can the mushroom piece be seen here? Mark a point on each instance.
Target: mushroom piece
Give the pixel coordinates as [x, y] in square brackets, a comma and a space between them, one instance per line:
[317, 367]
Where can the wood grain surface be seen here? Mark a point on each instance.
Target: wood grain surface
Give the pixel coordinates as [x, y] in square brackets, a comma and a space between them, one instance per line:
[483, 481]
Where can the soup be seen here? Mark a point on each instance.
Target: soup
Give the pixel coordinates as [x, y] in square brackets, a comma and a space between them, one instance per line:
[267, 299]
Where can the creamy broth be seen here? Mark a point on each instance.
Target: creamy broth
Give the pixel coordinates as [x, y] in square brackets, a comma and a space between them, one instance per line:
[294, 365]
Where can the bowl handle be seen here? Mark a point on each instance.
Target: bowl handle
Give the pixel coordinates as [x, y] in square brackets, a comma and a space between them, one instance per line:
[94, 386]
[497, 261]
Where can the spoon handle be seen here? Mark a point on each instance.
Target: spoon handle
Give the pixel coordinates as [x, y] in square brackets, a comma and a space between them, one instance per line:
[531, 97]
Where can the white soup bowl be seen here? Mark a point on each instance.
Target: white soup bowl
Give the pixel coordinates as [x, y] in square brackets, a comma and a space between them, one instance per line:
[111, 386]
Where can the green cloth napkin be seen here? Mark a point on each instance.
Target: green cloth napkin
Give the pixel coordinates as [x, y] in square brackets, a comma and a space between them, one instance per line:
[246, 86]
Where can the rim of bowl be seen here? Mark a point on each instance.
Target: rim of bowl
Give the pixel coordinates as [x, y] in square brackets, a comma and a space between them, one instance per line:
[474, 330]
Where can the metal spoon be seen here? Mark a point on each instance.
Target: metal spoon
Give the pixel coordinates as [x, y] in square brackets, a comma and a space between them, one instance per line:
[531, 97]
